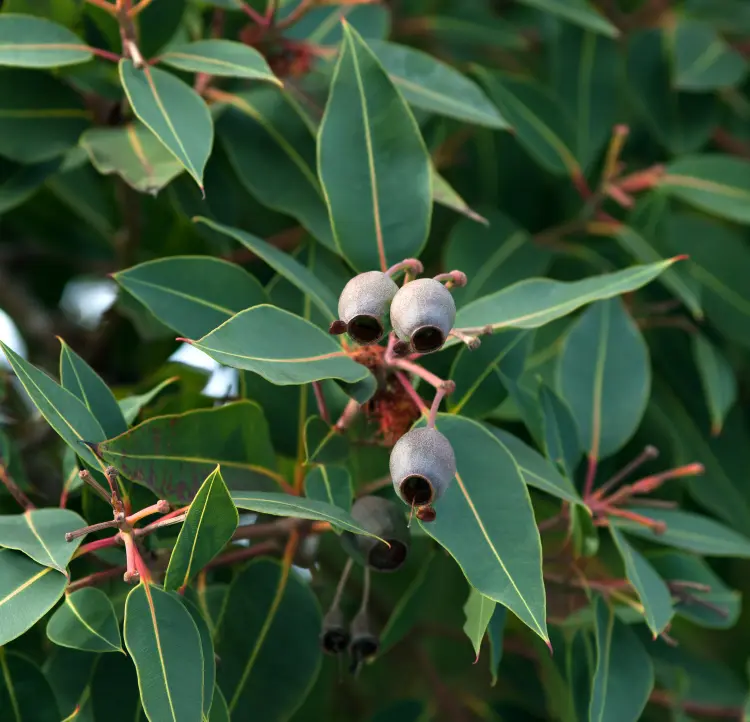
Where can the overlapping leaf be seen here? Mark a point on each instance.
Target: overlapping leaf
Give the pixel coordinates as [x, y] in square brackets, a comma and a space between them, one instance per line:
[25, 693]
[561, 440]
[220, 57]
[33, 42]
[131, 406]
[444, 194]
[478, 611]
[323, 444]
[579, 12]
[717, 378]
[86, 620]
[330, 484]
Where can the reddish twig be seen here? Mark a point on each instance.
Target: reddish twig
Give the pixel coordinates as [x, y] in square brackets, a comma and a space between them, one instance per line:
[15, 490]
[93, 579]
[321, 402]
[240, 555]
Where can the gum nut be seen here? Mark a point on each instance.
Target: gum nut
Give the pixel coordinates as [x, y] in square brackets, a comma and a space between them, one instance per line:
[422, 466]
[334, 636]
[364, 642]
[423, 313]
[386, 520]
[363, 305]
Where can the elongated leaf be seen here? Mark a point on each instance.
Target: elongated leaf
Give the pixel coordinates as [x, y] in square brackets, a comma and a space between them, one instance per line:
[717, 377]
[561, 440]
[220, 57]
[652, 589]
[27, 592]
[86, 620]
[495, 633]
[605, 376]
[209, 656]
[692, 532]
[269, 612]
[323, 444]
[579, 12]
[380, 209]
[298, 507]
[40, 533]
[444, 194]
[32, 42]
[536, 301]
[208, 526]
[219, 708]
[173, 111]
[286, 266]
[63, 411]
[428, 84]
[81, 380]
[192, 294]
[25, 693]
[624, 674]
[281, 347]
[478, 611]
[330, 484]
[717, 184]
[131, 405]
[496, 545]
[134, 153]
[163, 641]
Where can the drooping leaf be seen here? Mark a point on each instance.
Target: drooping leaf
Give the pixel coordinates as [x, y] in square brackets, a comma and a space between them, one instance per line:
[32, 42]
[652, 589]
[220, 57]
[561, 440]
[330, 484]
[323, 444]
[605, 376]
[40, 533]
[717, 378]
[172, 455]
[298, 507]
[173, 111]
[81, 380]
[25, 694]
[536, 301]
[164, 643]
[478, 611]
[444, 194]
[86, 620]
[624, 674]
[372, 163]
[208, 526]
[496, 545]
[209, 656]
[192, 294]
[579, 12]
[269, 613]
[63, 411]
[495, 633]
[131, 406]
[27, 592]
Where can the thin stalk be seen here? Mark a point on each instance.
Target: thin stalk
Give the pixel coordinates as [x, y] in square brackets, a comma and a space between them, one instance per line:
[415, 397]
[93, 579]
[342, 583]
[15, 490]
[321, 402]
[650, 452]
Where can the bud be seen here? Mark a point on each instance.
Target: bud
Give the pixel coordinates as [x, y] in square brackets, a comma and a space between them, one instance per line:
[422, 314]
[363, 306]
[383, 518]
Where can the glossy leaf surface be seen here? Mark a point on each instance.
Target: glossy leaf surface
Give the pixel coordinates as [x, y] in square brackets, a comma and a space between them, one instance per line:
[86, 620]
[478, 611]
[32, 42]
[330, 484]
[220, 57]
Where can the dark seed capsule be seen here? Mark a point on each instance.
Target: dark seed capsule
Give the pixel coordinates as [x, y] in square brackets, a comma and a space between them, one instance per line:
[364, 642]
[334, 636]
[386, 520]
[363, 306]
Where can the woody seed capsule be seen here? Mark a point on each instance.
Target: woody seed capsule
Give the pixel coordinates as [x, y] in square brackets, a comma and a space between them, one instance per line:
[363, 305]
[385, 519]
[422, 314]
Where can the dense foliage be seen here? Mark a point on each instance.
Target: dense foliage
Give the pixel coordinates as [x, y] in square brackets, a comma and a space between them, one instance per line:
[217, 504]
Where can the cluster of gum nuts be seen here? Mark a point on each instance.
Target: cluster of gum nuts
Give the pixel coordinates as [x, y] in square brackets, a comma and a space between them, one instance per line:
[422, 463]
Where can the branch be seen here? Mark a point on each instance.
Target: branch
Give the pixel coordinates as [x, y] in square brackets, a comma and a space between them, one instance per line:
[14, 489]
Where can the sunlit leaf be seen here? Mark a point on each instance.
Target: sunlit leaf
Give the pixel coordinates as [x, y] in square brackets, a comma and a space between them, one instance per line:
[221, 58]
[31, 42]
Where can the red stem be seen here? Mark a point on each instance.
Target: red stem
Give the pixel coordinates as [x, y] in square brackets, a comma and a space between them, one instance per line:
[320, 400]
[254, 15]
[242, 554]
[94, 579]
[590, 476]
[15, 490]
[98, 544]
[114, 57]
[415, 397]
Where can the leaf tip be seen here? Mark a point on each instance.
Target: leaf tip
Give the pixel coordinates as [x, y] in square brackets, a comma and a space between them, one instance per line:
[549, 646]
[681, 257]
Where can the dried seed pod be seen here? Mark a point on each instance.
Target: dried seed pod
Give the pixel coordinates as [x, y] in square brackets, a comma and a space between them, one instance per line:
[364, 643]
[422, 314]
[384, 518]
[422, 466]
[334, 636]
[363, 306]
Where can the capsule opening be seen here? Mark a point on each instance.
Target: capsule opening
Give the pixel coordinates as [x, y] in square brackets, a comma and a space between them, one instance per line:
[389, 559]
[427, 339]
[335, 641]
[365, 647]
[365, 329]
[416, 490]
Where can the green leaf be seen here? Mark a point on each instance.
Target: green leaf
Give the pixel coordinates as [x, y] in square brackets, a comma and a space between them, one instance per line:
[172, 455]
[70, 673]
[164, 643]
[31, 42]
[323, 26]
[584, 532]
[18, 183]
[63, 411]
[536, 301]
[495, 634]
[298, 507]
[444, 194]
[127, 707]
[717, 378]
[691, 532]
[220, 57]
[624, 674]
[131, 405]
[134, 153]
[535, 469]
[271, 622]
[330, 484]
[272, 150]
[40, 533]
[192, 294]
[27, 592]
[652, 590]
[496, 545]
[219, 709]
[715, 183]
[323, 444]
[173, 111]
[478, 611]
[283, 348]
[208, 527]
[380, 210]
[86, 620]
[428, 84]
[605, 376]
[25, 693]
[47, 113]
[81, 380]
[286, 266]
[561, 440]
[703, 61]
[578, 12]
[209, 657]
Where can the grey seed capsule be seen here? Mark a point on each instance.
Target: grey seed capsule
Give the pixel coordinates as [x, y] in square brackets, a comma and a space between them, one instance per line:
[385, 519]
[334, 636]
[365, 643]
[363, 305]
[422, 466]
[423, 313]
